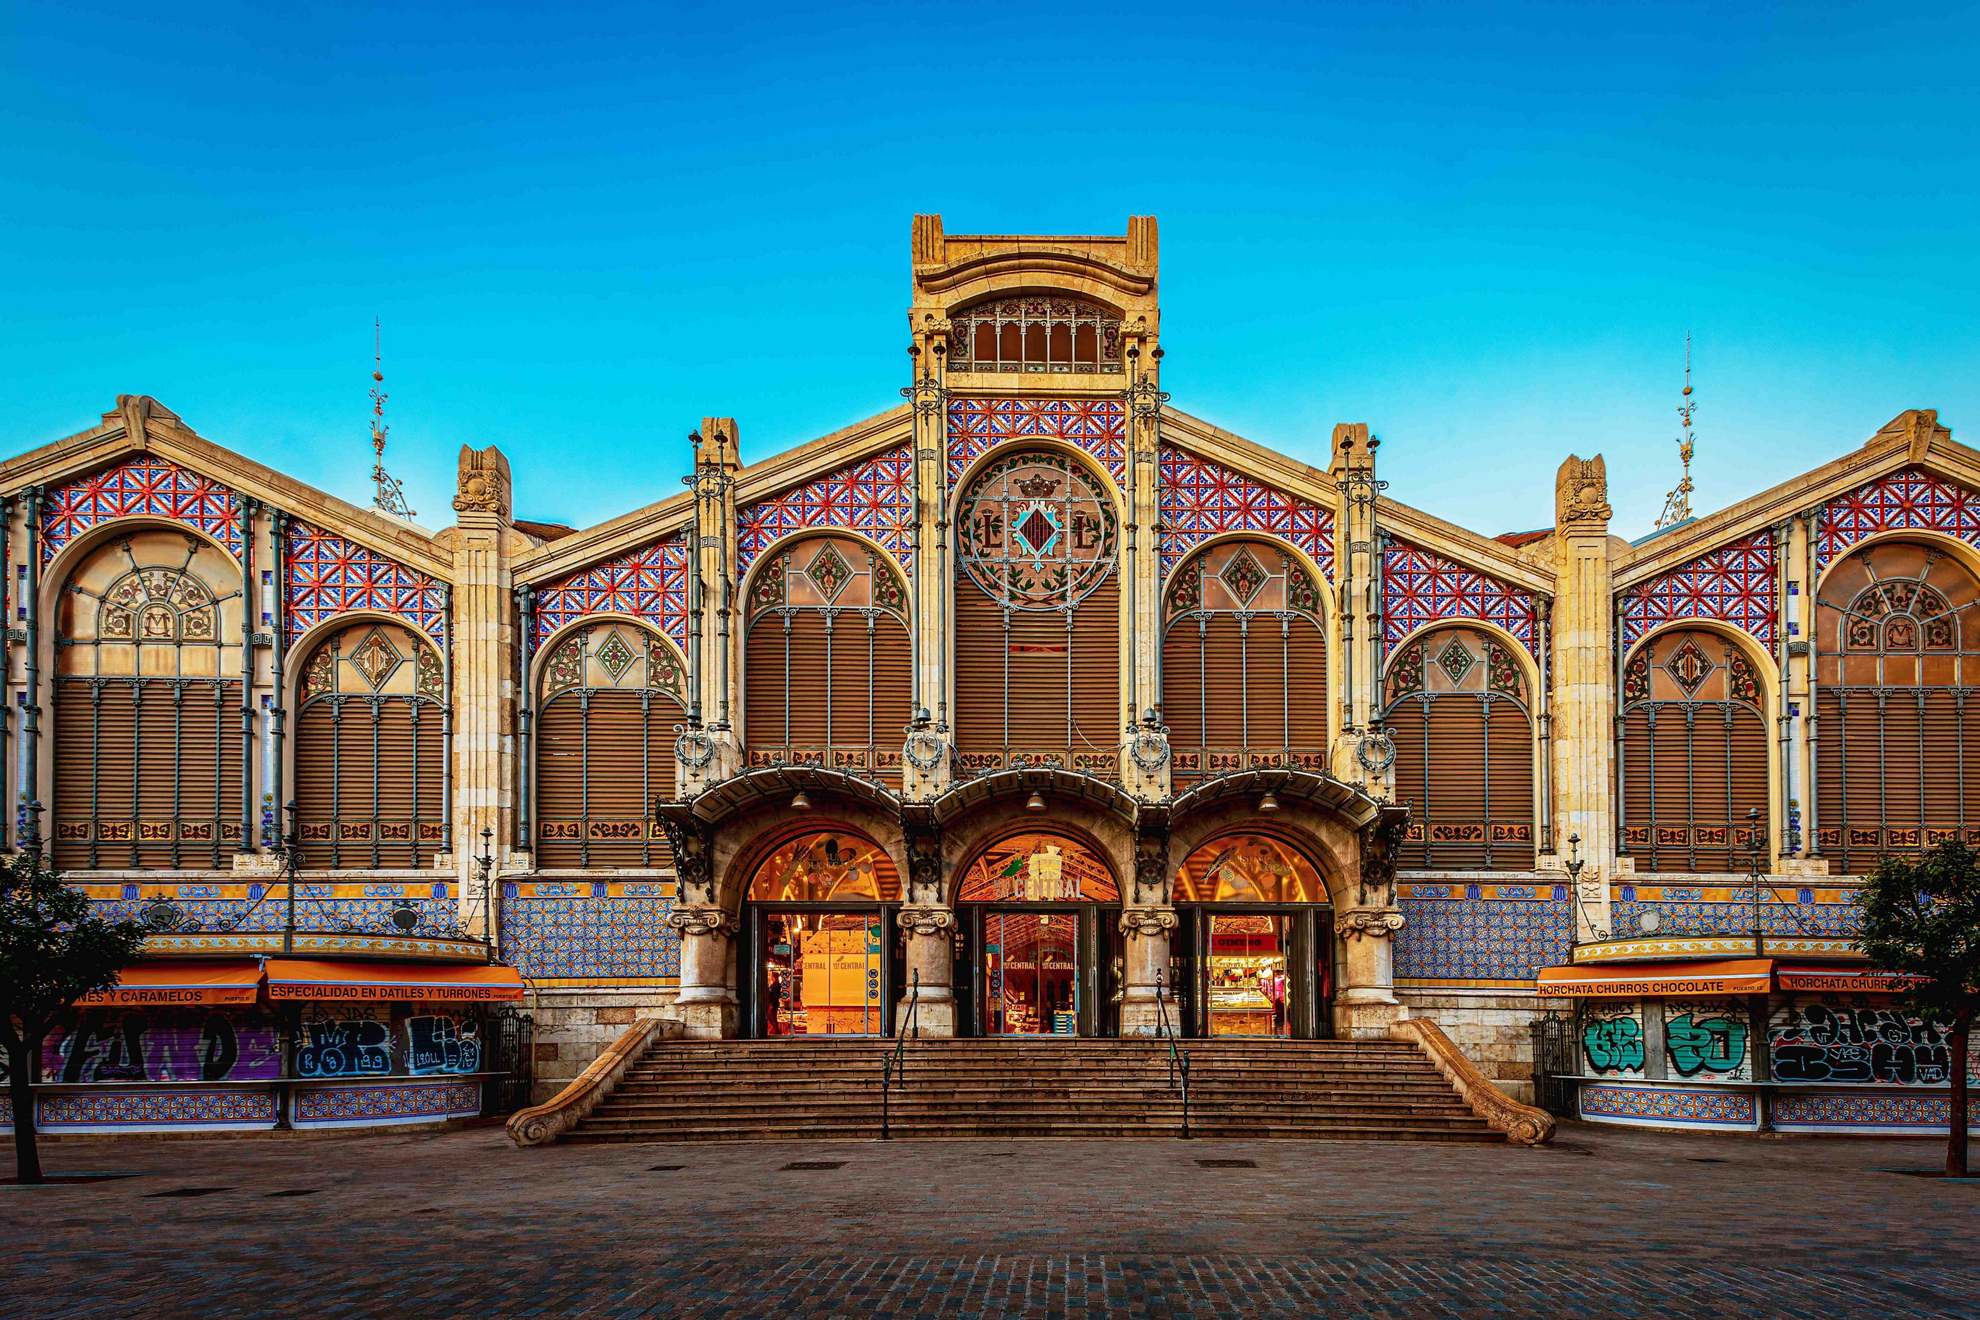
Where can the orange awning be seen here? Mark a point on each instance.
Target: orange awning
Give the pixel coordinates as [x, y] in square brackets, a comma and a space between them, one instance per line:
[1858, 980]
[303, 978]
[1730, 976]
[163, 984]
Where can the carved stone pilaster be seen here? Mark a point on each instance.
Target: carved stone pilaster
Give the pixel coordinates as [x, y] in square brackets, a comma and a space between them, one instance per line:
[925, 919]
[1369, 922]
[699, 921]
[1151, 857]
[924, 857]
[1147, 921]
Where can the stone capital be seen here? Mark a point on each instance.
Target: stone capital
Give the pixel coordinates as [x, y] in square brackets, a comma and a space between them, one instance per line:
[702, 920]
[925, 919]
[1147, 922]
[1373, 922]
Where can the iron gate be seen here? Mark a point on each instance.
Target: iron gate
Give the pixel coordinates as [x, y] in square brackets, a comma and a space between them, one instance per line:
[1555, 1087]
[512, 1040]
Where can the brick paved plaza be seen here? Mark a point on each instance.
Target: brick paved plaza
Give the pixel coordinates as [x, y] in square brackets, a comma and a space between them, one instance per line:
[1606, 1223]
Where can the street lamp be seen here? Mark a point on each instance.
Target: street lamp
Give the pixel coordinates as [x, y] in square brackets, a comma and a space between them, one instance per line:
[291, 849]
[1573, 867]
[484, 864]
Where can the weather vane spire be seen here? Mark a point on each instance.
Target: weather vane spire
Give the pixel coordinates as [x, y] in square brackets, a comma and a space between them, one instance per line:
[1677, 504]
[389, 497]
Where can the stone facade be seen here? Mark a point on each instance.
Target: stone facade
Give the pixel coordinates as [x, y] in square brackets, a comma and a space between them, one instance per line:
[1020, 346]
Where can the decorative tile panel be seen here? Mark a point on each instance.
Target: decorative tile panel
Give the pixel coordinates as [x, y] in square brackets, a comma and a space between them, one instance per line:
[1648, 1105]
[1928, 1112]
[1099, 426]
[1421, 586]
[649, 583]
[874, 496]
[1452, 933]
[1734, 584]
[1723, 911]
[321, 906]
[145, 486]
[1202, 499]
[162, 1109]
[330, 575]
[582, 932]
[1904, 499]
[406, 1102]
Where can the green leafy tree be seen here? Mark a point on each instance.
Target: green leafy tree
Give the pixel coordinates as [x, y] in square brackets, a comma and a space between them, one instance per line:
[52, 953]
[1921, 916]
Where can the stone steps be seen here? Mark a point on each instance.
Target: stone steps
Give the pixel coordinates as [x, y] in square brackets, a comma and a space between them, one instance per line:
[698, 1091]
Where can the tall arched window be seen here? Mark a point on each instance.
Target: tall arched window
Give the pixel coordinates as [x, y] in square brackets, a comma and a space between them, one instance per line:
[371, 784]
[147, 706]
[1457, 706]
[1694, 754]
[1038, 625]
[1244, 662]
[1041, 333]
[1898, 739]
[612, 694]
[827, 664]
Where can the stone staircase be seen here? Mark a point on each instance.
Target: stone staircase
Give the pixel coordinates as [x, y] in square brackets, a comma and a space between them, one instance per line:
[824, 1089]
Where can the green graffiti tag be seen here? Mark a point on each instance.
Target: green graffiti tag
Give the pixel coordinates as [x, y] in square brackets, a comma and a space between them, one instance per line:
[1705, 1044]
[1613, 1045]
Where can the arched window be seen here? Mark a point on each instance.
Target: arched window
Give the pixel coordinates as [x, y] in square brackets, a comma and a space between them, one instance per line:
[1456, 704]
[371, 784]
[1039, 333]
[1897, 741]
[827, 662]
[1694, 754]
[612, 693]
[827, 866]
[1244, 662]
[1248, 868]
[1039, 868]
[1038, 627]
[147, 699]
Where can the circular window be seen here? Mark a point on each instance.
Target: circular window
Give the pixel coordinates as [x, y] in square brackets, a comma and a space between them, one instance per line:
[1038, 531]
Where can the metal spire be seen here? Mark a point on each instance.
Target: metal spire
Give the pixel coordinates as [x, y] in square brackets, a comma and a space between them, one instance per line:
[1677, 504]
[389, 497]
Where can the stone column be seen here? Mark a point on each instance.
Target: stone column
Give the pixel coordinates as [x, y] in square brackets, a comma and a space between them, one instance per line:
[1145, 767]
[930, 929]
[484, 673]
[1366, 925]
[1358, 604]
[925, 753]
[1147, 920]
[716, 461]
[1584, 684]
[707, 1000]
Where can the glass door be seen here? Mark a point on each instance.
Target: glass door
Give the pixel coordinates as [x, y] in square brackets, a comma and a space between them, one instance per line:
[1249, 990]
[1030, 973]
[824, 973]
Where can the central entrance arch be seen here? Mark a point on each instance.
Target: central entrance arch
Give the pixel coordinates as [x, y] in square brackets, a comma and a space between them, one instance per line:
[1038, 945]
[821, 956]
[1253, 954]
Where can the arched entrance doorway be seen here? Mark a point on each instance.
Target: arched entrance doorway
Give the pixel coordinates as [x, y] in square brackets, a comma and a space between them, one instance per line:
[1253, 953]
[821, 949]
[1037, 950]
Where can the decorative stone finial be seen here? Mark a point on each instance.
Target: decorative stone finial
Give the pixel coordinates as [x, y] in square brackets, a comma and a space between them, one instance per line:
[483, 485]
[1581, 495]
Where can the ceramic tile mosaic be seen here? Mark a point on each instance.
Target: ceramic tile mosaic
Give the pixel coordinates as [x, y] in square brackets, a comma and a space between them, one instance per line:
[1098, 426]
[1734, 914]
[386, 1102]
[1934, 1112]
[154, 1108]
[1734, 584]
[1201, 499]
[1905, 499]
[1668, 1105]
[584, 937]
[874, 496]
[320, 907]
[1420, 586]
[330, 575]
[144, 486]
[1467, 937]
[647, 583]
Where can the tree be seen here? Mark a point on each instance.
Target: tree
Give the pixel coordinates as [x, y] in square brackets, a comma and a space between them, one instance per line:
[1921, 917]
[52, 953]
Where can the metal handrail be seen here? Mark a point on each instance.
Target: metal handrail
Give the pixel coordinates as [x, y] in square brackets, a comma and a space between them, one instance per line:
[893, 1064]
[1178, 1059]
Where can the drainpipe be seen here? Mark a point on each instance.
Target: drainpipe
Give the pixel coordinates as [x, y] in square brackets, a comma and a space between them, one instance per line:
[249, 510]
[29, 820]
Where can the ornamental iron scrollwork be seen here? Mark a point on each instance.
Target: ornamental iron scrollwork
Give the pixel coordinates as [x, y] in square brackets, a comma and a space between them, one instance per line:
[693, 748]
[1376, 752]
[1149, 746]
[923, 750]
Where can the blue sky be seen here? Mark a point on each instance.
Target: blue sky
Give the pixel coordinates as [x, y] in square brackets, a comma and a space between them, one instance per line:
[1485, 230]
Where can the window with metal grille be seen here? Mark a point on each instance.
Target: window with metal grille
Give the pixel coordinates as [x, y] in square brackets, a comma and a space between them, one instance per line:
[370, 775]
[1037, 649]
[1897, 733]
[612, 693]
[1042, 333]
[1457, 708]
[1694, 754]
[147, 718]
[827, 659]
[1244, 662]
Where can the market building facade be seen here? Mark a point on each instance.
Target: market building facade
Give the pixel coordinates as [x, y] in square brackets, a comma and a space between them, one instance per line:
[1033, 700]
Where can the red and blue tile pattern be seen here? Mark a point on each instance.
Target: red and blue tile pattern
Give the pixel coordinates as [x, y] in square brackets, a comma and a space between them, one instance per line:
[1202, 499]
[874, 496]
[1906, 499]
[1734, 584]
[1099, 426]
[1420, 586]
[142, 487]
[649, 583]
[330, 575]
